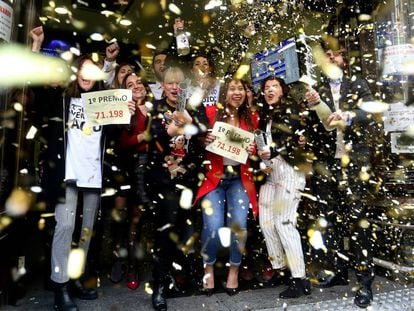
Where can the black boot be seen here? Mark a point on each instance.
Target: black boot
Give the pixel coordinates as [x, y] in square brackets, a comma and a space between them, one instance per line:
[299, 287]
[79, 291]
[63, 301]
[159, 301]
[363, 297]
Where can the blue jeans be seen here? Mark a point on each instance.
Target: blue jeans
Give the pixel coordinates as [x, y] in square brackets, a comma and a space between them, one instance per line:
[231, 191]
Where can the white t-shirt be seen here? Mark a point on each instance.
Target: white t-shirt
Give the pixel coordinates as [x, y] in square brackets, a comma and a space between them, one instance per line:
[83, 151]
[156, 90]
[340, 144]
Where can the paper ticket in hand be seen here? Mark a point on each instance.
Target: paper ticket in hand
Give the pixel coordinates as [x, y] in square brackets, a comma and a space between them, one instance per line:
[107, 107]
[231, 142]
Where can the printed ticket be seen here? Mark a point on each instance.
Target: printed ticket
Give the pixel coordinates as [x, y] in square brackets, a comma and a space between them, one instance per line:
[107, 107]
[231, 142]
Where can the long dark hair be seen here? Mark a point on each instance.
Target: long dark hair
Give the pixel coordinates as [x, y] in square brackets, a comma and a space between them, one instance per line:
[210, 63]
[116, 84]
[73, 89]
[265, 111]
[149, 95]
[243, 112]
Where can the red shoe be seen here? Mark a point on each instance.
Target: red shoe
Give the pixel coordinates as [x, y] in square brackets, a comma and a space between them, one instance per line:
[133, 284]
[132, 281]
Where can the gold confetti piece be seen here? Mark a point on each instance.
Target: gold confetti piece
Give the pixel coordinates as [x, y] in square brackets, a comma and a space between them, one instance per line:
[196, 98]
[364, 17]
[87, 131]
[31, 133]
[242, 71]
[62, 10]
[206, 205]
[41, 224]
[225, 236]
[18, 107]
[18, 203]
[363, 223]
[345, 161]
[76, 263]
[186, 198]
[20, 66]
[374, 106]
[316, 240]
[125, 22]
[90, 71]
[175, 9]
[176, 266]
[147, 288]
[5, 221]
[363, 174]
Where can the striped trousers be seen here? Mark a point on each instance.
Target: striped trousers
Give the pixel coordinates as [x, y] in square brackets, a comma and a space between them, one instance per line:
[278, 203]
[65, 216]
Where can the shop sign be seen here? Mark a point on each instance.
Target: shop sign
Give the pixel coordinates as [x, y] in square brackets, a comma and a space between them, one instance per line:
[397, 59]
[6, 21]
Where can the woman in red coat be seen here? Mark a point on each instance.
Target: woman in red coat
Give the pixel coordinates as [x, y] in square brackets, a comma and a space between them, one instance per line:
[228, 189]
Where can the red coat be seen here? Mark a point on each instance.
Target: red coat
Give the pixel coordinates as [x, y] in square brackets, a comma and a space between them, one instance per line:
[215, 169]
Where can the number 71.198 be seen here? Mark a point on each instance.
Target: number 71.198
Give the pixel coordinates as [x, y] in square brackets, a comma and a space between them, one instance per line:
[109, 114]
[228, 148]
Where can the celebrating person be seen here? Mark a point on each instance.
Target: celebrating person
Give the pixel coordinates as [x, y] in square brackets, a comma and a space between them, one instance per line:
[170, 166]
[344, 155]
[280, 194]
[228, 190]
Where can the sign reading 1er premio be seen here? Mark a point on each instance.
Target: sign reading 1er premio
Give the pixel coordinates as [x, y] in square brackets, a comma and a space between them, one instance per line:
[231, 142]
[107, 107]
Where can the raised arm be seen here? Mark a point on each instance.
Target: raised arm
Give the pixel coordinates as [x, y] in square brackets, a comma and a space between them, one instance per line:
[322, 110]
[38, 36]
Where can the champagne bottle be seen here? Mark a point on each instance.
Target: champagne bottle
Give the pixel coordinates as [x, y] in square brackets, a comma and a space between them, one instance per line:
[261, 145]
[183, 45]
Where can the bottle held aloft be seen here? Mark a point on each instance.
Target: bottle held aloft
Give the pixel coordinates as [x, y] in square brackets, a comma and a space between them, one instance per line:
[183, 45]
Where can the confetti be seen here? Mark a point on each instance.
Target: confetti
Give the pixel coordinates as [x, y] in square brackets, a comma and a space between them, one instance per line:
[18, 203]
[20, 67]
[225, 236]
[76, 263]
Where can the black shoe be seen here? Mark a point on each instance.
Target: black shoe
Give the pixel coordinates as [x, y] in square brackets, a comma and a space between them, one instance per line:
[63, 301]
[281, 277]
[79, 291]
[232, 291]
[340, 278]
[159, 302]
[209, 291]
[363, 297]
[117, 272]
[299, 287]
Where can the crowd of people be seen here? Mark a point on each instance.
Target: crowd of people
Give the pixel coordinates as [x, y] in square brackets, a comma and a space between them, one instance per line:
[162, 155]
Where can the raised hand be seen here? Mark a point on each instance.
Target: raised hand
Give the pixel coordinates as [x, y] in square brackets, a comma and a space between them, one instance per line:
[112, 52]
[38, 36]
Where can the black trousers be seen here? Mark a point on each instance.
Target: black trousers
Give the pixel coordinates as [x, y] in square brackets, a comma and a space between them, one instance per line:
[173, 225]
[342, 194]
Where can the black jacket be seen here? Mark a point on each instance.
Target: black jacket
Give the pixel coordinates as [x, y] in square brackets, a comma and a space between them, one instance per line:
[289, 122]
[352, 92]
